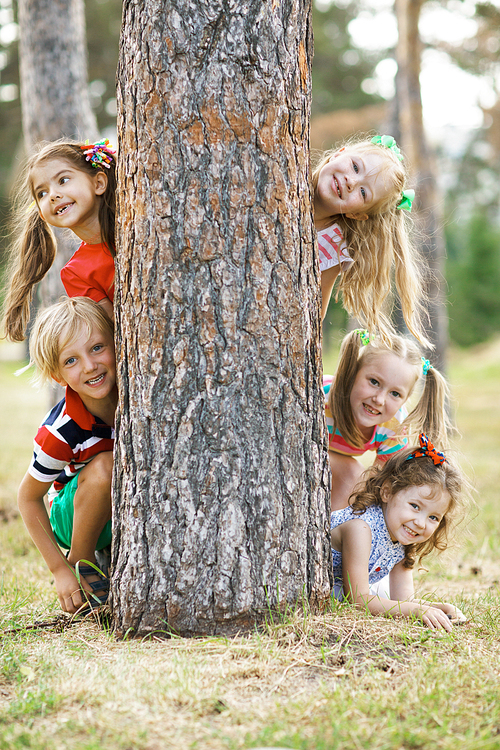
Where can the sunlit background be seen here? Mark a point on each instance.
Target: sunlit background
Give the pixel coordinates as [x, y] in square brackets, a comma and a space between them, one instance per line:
[353, 85]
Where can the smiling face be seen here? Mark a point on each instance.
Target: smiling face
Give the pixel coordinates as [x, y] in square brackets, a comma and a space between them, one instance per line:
[87, 364]
[350, 184]
[413, 515]
[381, 387]
[68, 197]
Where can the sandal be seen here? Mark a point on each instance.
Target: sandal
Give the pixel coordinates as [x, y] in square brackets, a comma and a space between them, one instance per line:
[94, 599]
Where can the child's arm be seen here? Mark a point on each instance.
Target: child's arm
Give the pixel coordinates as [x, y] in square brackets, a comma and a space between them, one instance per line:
[433, 614]
[31, 506]
[327, 281]
[107, 306]
[356, 545]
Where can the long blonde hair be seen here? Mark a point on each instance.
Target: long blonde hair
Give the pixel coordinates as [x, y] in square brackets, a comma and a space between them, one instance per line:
[34, 247]
[381, 247]
[430, 414]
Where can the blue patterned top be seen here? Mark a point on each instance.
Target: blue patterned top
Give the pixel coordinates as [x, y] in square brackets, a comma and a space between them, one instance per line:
[384, 553]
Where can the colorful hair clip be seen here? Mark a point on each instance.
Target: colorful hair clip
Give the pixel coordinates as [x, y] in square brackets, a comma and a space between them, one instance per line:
[388, 142]
[427, 450]
[426, 365]
[98, 154]
[407, 198]
[363, 335]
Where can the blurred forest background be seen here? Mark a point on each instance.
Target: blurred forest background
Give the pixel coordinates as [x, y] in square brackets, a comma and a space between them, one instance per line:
[353, 90]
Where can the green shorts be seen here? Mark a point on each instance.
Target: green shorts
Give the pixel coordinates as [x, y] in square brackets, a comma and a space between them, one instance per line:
[61, 517]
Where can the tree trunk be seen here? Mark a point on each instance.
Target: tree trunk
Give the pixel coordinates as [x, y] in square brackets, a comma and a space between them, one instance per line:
[54, 97]
[221, 471]
[411, 134]
[53, 71]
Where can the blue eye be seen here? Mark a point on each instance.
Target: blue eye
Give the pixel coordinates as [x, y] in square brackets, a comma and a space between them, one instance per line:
[396, 394]
[363, 193]
[355, 167]
[70, 361]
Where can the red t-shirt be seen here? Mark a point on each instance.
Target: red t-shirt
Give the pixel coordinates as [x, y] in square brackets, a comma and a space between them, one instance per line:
[90, 272]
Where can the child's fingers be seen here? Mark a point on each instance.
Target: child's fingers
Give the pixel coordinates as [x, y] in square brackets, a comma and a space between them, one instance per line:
[457, 615]
[435, 618]
[453, 613]
[72, 602]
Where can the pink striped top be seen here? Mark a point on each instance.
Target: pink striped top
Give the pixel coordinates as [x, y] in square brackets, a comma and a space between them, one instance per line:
[332, 248]
[386, 439]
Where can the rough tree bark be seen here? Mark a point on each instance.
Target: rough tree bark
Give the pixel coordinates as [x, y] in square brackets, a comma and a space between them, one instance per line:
[409, 129]
[221, 471]
[54, 95]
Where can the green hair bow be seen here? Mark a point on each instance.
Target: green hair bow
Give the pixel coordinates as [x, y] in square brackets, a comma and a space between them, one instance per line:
[407, 198]
[363, 334]
[389, 142]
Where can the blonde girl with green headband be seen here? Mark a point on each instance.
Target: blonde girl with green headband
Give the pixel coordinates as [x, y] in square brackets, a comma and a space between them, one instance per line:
[365, 405]
[69, 185]
[361, 214]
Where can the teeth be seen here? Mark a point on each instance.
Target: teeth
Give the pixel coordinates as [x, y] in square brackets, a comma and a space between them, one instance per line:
[95, 380]
[369, 409]
[337, 185]
[63, 209]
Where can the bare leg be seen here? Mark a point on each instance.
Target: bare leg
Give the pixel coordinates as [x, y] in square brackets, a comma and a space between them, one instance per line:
[346, 473]
[92, 507]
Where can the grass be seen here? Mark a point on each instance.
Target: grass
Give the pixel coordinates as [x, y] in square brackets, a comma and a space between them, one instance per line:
[342, 680]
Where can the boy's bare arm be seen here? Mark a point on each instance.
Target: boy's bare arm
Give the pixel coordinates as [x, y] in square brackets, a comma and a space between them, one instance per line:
[30, 500]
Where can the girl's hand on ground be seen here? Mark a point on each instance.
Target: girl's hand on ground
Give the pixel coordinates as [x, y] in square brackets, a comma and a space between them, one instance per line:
[453, 613]
[434, 617]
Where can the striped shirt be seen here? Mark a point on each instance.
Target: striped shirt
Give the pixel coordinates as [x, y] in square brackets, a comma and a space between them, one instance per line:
[332, 248]
[69, 437]
[384, 440]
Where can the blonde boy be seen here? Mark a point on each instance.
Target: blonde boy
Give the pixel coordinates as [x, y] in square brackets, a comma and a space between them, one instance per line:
[72, 343]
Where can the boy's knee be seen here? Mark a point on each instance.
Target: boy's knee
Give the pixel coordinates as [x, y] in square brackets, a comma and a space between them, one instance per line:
[99, 471]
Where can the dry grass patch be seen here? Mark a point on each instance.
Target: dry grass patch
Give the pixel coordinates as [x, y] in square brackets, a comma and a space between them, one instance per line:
[218, 693]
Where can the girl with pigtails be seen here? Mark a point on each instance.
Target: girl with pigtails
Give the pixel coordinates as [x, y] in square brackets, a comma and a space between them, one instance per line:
[71, 185]
[361, 207]
[365, 405]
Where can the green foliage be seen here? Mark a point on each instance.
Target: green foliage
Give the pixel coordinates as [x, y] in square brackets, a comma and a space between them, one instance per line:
[103, 20]
[473, 275]
[339, 67]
